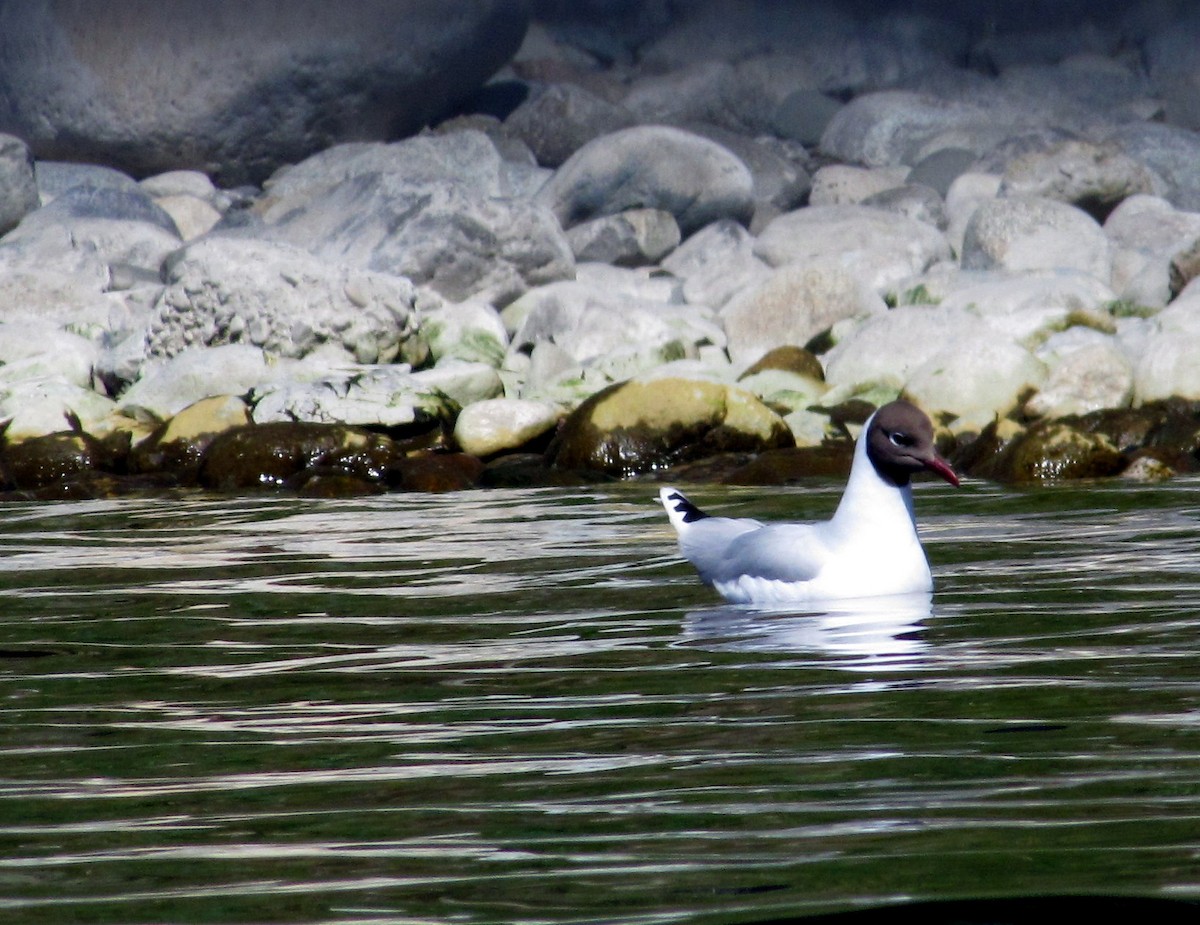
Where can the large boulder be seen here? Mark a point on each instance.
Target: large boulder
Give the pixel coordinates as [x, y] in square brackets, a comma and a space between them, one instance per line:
[636, 426]
[237, 87]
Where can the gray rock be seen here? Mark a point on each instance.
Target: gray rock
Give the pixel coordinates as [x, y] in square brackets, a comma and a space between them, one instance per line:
[18, 188]
[1146, 233]
[845, 184]
[1091, 378]
[1096, 178]
[880, 248]
[1032, 233]
[656, 167]
[1173, 66]
[56, 177]
[255, 84]
[941, 168]
[697, 93]
[280, 299]
[376, 396]
[913, 201]
[804, 115]
[168, 386]
[434, 209]
[1173, 153]
[560, 119]
[795, 304]
[716, 263]
[639, 237]
[891, 127]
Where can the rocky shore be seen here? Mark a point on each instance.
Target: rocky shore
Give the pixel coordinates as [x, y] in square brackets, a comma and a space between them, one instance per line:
[702, 244]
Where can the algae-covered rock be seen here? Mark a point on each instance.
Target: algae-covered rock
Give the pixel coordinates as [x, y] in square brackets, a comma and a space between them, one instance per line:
[634, 426]
[283, 454]
[178, 445]
[60, 457]
[1057, 450]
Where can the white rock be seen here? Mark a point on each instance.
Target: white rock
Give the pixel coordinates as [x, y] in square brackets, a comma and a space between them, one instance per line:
[975, 377]
[1167, 367]
[168, 386]
[192, 216]
[845, 184]
[881, 248]
[500, 424]
[1146, 232]
[471, 331]
[716, 263]
[1091, 378]
[1030, 233]
[382, 396]
[39, 406]
[32, 348]
[179, 183]
[796, 303]
[966, 194]
[462, 382]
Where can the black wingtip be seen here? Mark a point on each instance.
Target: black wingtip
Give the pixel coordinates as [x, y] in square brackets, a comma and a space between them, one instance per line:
[689, 512]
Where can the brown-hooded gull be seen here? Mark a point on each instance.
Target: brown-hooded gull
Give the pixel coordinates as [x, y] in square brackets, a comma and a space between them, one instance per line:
[869, 547]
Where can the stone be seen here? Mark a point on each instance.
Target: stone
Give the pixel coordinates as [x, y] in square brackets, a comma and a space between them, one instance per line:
[1052, 450]
[1147, 233]
[37, 407]
[1034, 233]
[1166, 366]
[788, 358]
[1093, 177]
[939, 169]
[18, 187]
[975, 378]
[373, 396]
[1091, 378]
[656, 167]
[795, 304]
[191, 215]
[281, 299]
[503, 425]
[407, 210]
[560, 119]
[178, 445]
[33, 348]
[167, 386]
[879, 248]
[845, 184]
[890, 127]
[914, 201]
[192, 183]
[633, 427]
[966, 194]
[56, 177]
[716, 263]
[804, 114]
[1172, 152]
[472, 331]
[637, 237]
[254, 86]
[288, 453]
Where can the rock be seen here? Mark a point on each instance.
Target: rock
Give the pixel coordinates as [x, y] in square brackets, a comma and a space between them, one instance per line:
[503, 425]
[913, 201]
[845, 184]
[37, 407]
[1147, 233]
[789, 358]
[281, 299]
[1089, 379]
[462, 382]
[255, 85]
[1032, 233]
[560, 119]
[18, 188]
[435, 472]
[795, 304]
[967, 193]
[879, 248]
[168, 386]
[1172, 152]
[1052, 450]
[287, 454]
[1095, 178]
[939, 169]
[716, 263]
[1167, 367]
[191, 215]
[32, 348]
[891, 127]
[371, 396]
[178, 445]
[192, 183]
[58, 458]
[656, 167]
[633, 427]
[56, 177]
[470, 331]
[403, 209]
[790, 465]
[638, 237]
[804, 114]
[975, 378]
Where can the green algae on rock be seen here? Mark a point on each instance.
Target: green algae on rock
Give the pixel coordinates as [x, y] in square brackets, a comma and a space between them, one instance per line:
[634, 427]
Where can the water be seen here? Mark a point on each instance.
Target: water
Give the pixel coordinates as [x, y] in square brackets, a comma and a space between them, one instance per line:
[522, 707]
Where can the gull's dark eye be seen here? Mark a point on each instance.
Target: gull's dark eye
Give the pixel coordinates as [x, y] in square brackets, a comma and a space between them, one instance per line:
[901, 439]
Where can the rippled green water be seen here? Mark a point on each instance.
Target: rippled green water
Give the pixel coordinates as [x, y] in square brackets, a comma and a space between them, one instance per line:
[521, 707]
